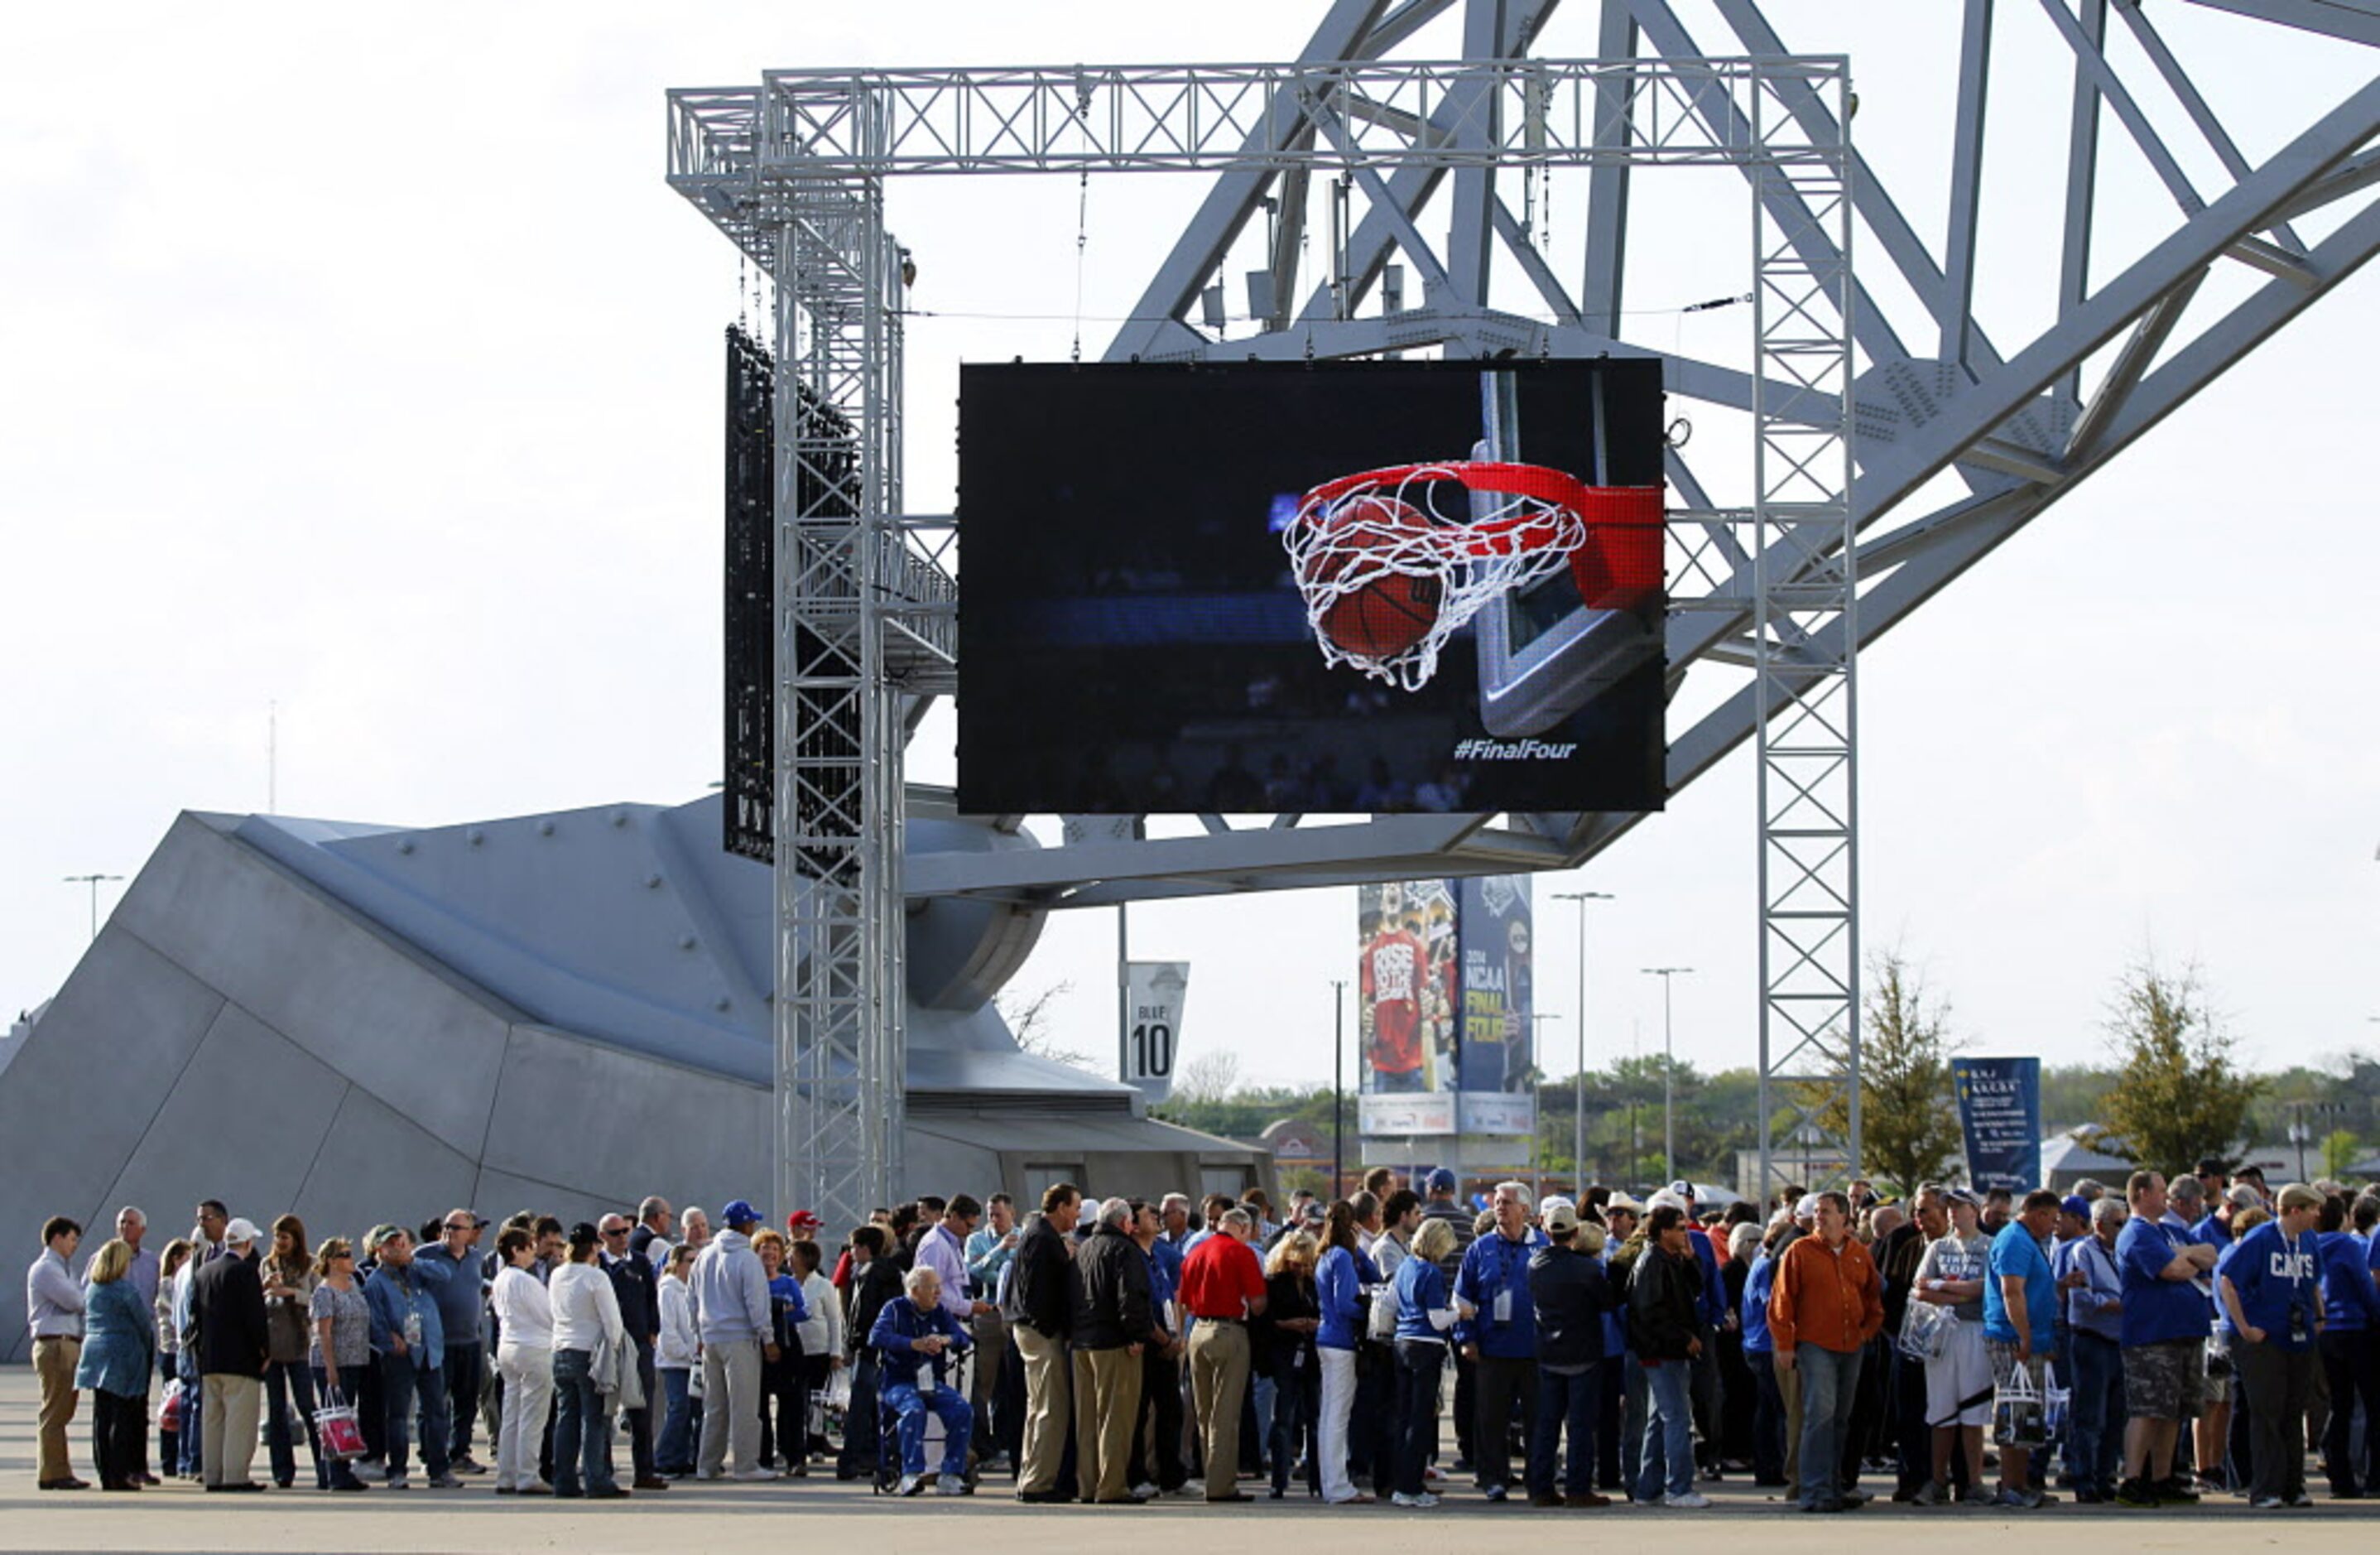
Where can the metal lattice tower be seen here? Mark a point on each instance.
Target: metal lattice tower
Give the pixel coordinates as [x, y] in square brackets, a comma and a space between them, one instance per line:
[1775, 587]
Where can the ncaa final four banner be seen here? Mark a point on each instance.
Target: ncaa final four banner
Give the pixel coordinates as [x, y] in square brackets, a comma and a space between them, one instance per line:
[1404, 982]
[1498, 1038]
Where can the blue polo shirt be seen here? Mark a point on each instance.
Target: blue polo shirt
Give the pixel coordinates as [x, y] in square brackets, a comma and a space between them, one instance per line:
[2157, 1309]
[1494, 1266]
[2016, 1256]
[2278, 1278]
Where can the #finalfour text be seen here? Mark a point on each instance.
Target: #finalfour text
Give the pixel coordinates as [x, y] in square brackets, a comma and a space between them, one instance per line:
[1513, 750]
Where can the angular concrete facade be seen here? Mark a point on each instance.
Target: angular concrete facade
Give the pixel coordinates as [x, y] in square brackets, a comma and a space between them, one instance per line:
[562, 1012]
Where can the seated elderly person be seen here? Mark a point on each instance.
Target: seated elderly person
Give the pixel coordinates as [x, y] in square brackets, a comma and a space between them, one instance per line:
[916, 1345]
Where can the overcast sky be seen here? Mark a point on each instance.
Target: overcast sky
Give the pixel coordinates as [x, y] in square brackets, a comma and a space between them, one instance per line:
[361, 362]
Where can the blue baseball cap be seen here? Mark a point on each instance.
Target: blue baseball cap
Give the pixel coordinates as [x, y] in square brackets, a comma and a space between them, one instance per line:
[739, 1212]
[2076, 1205]
[1441, 1180]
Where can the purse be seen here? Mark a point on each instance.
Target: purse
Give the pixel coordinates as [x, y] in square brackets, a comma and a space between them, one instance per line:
[1926, 1331]
[335, 1426]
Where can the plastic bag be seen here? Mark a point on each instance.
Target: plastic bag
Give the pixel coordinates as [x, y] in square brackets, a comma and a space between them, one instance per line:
[169, 1408]
[1926, 1331]
[2055, 1402]
[2019, 1414]
[838, 1388]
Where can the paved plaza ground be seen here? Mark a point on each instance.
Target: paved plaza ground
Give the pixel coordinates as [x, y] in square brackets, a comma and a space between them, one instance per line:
[693, 1517]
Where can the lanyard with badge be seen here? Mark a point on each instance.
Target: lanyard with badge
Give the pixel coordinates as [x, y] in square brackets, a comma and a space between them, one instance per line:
[1500, 1311]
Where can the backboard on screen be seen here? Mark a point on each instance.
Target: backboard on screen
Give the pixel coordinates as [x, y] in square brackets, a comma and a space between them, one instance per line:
[1351, 586]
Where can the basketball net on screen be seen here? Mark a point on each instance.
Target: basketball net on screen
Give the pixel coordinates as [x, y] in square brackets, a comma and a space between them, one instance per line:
[1389, 575]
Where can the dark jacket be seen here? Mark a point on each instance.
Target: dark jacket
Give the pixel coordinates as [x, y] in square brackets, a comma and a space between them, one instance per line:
[638, 1289]
[1664, 1295]
[1039, 1288]
[1108, 1292]
[1278, 1349]
[1570, 1295]
[227, 1301]
[871, 1289]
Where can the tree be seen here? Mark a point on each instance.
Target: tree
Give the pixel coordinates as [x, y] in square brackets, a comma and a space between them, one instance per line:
[1909, 1124]
[1209, 1078]
[2339, 1148]
[2179, 1093]
[1028, 1022]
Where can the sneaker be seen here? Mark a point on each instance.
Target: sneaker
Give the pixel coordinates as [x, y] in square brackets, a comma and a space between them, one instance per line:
[2303, 1498]
[913, 1484]
[2135, 1493]
[751, 1475]
[1495, 1492]
[951, 1484]
[1981, 1495]
[2174, 1492]
[1188, 1490]
[1144, 1491]
[715, 1474]
[1419, 1501]
[2023, 1499]
[1829, 1506]
[2267, 1504]
[1927, 1494]
[398, 1482]
[1690, 1500]
[445, 1482]
[466, 1463]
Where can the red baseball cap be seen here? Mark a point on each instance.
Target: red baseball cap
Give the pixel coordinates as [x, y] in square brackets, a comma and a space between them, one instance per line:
[802, 1220]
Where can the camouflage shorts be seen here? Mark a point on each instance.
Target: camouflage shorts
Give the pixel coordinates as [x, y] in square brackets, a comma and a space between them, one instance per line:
[2163, 1381]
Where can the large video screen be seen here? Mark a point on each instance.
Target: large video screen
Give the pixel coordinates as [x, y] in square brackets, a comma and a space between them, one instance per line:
[1330, 586]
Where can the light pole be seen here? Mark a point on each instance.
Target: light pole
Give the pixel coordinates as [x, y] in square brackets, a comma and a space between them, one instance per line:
[1338, 1084]
[1578, 1087]
[1537, 1135]
[92, 882]
[1668, 1074]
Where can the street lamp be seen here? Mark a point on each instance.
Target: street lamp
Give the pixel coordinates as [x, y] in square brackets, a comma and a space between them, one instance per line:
[1668, 1074]
[1578, 1087]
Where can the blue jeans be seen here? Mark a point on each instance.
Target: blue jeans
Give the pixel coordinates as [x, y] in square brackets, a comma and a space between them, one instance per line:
[185, 1366]
[1829, 1384]
[400, 1381]
[1567, 1403]
[675, 1453]
[582, 1426]
[287, 1383]
[2097, 1414]
[1668, 1431]
[910, 1408]
[1420, 1366]
[1296, 1413]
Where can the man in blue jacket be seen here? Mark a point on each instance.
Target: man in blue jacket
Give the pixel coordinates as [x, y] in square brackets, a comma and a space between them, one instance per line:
[2350, 1311]
[917, 1344]
[1497, 1330]
[2272, 1291]
[411, 1344]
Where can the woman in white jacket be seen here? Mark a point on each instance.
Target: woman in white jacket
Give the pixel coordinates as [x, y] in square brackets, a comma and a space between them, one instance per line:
[822, 1331]
[676, 1358]
[525, 1362]
[586, 1321]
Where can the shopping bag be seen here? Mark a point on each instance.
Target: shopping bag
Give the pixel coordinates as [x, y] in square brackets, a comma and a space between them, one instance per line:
[2019, 1411]
[341, 1434]
[169, 1408]
[1925, 1331]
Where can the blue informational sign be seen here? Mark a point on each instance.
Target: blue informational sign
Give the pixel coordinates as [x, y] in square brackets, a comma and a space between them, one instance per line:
[1999, 1113]
[1491, 921]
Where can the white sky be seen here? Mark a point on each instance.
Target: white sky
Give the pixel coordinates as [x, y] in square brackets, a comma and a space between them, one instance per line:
[367, 366]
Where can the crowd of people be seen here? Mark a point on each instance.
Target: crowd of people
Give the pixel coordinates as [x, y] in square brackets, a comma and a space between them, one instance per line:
[2141, 1347]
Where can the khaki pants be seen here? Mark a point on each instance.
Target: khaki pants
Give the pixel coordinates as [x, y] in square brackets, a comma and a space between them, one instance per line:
[1219, 1380]
[1107, 1404]
[227, 1439]
[730, 1407]
[1789, 1383]
[1046, 1409]
[53, 1364]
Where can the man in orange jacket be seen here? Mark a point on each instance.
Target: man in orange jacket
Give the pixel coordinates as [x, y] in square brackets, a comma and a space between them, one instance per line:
[1828, 1303]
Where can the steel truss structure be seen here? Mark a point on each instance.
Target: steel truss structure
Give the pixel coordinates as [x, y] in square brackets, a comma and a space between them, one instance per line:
[1774, 592]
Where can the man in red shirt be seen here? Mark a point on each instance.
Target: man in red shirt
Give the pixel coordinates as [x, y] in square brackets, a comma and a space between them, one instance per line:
[1222, 1287]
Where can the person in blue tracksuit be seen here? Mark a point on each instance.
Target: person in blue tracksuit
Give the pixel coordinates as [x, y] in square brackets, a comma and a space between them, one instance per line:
[2350, 1344]
[1497, 1329]
[2271, 1289]
[917, 1344]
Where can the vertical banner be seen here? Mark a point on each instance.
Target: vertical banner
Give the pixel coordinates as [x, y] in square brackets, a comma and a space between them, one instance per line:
[1497, 1043]
[1404, 1008]
[1999, 1113]
[1154, 994]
